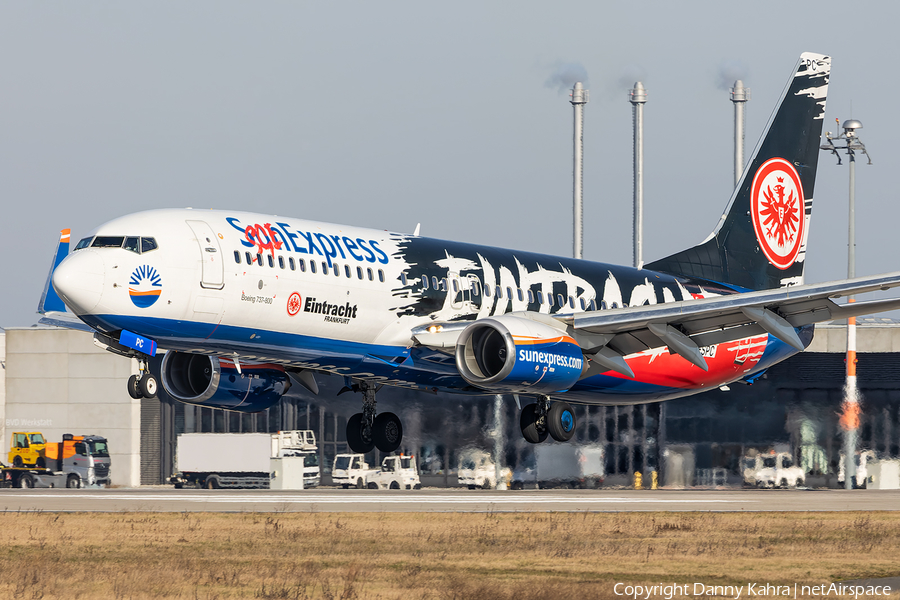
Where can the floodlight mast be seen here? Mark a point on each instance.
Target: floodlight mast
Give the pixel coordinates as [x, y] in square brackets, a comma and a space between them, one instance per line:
[849, 141]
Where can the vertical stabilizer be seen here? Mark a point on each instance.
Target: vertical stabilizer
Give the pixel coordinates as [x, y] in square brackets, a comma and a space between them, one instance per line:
[50, 301]
[760, 241]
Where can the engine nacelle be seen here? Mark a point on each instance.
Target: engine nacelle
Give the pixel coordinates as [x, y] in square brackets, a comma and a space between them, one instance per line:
[215, 382]
[514, 355]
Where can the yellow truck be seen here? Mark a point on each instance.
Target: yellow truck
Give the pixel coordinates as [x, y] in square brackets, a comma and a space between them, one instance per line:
[27, 449]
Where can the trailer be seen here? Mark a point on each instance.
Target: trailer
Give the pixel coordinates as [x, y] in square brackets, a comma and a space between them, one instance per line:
[75, 462]
[241, 460]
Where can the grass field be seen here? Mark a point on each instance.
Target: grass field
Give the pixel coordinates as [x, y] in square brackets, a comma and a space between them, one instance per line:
[540, 556]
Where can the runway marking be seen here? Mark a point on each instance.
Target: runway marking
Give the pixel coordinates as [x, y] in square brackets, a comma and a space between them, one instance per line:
[373, 500]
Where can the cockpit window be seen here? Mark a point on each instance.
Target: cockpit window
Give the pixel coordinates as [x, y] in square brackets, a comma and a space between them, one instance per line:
[108, 241]
[148, 244]
[84, 243]
[133, 244]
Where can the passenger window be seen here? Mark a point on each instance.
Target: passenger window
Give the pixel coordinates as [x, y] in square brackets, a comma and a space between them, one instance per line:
[312, 266]
[424, 281]
[434, 282]
[562, 301]
[445, 285]
[292, 264]
[593, 305]
[520, 294]
[337, 270]
[347, 271]
[540, 296]
[133, 244]
[271, 262]
[380, 275]
[84, 243]
[281, 262]
[530, 297]
[148, 244]
[509, 292]
[583, 304]
[108, 241]
[369, 273]
[237, 256]
[359, 275]
[324, 268]
[259, 259]
[302, 265]
[571, 302]
[499, 293]
[487, 290]
[403, 278]
[249, 260]
[549, 299]
[475, 287]
[455, 286]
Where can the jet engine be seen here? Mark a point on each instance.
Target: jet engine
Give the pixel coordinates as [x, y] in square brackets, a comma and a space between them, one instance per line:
[217, 383]
[510, 354]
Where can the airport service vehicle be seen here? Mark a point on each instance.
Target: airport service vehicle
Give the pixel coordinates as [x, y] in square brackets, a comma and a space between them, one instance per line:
[396, 473]
[478, 470]
[240, 460]
[27, 449]
[247, 304]
[563, 466]
[861, 461]
[779, 471]
[351, 470]
[76, 461]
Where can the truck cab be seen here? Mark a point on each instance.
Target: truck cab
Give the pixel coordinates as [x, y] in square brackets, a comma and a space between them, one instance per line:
[778, 470]
[27, 449]
[397, 473]
[83, 457]
[351, 470]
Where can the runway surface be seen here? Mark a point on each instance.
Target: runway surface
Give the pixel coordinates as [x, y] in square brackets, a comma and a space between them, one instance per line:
[442, 500]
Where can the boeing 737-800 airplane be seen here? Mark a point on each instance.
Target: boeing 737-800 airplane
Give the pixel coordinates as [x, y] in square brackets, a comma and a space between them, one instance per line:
[245, 303]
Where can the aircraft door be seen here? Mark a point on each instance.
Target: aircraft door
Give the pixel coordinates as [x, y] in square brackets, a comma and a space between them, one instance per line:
[213, 265]
[474, 292]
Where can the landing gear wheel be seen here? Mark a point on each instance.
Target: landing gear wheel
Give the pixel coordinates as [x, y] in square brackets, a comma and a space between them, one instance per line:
[354, 435]
[148, 386]
[529, 426]
[561, 421]
[134, 387]
[387, 432]
[18, 462]
[74, 481]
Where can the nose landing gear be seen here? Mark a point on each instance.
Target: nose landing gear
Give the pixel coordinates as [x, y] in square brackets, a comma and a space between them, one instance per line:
[144, 384]
[366, 431]
[542, 418]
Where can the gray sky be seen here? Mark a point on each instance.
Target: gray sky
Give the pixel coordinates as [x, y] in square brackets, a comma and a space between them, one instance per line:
[384, 115]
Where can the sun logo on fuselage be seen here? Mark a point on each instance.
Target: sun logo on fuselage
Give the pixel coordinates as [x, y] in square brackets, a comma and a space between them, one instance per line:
[145, 286]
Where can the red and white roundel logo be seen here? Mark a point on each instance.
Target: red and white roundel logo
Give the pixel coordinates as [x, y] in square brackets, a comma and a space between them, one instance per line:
[293, 304]
[777, 209]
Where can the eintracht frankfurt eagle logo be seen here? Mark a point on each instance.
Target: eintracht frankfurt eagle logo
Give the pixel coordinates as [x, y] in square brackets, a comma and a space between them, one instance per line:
[777, 210]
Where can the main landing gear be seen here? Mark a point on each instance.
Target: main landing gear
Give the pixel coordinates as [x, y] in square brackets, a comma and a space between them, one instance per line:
[144, 384]
[365, 430]
[542, 418]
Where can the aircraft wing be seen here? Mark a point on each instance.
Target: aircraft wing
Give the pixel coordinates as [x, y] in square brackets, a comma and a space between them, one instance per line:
[688, 325]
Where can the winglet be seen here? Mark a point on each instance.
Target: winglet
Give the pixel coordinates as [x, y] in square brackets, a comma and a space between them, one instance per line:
[50, 300]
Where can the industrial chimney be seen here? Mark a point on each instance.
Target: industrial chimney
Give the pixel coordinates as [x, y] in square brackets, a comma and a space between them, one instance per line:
[637, 97]
[579, 99]
[739, 95]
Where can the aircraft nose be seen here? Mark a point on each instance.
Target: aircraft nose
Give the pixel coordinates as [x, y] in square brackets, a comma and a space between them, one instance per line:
[79, 280]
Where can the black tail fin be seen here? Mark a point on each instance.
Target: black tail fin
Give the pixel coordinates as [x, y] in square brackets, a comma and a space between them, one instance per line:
[760, 241]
